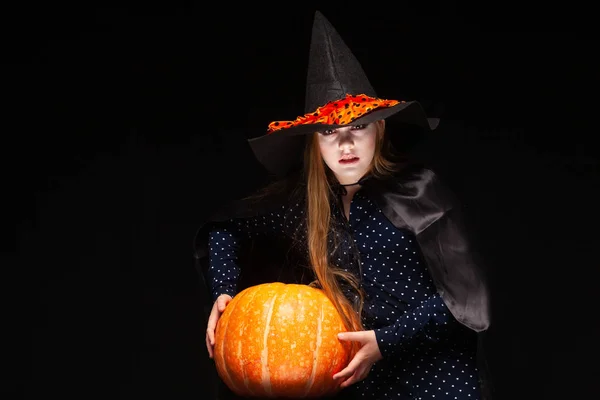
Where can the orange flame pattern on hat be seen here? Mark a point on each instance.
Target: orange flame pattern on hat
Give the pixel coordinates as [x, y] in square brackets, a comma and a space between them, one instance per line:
[338, 112]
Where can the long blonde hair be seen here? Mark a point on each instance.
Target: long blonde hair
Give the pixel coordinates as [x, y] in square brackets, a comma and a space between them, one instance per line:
[319, 178]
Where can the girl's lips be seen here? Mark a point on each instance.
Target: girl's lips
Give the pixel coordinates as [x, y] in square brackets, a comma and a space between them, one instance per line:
[349, 160]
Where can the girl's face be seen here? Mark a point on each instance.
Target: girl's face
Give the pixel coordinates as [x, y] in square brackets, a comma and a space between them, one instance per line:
[349, 151]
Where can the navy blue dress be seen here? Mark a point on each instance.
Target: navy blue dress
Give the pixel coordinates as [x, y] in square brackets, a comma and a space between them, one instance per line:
[427, 354]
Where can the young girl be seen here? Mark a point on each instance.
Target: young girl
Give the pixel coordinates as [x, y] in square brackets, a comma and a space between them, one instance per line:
[382, 237]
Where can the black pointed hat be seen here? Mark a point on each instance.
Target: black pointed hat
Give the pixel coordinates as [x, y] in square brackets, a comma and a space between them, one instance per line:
[338, 93]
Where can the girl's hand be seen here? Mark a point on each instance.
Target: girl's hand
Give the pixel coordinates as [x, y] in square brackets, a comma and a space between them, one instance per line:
[215, 314]
[360, 366]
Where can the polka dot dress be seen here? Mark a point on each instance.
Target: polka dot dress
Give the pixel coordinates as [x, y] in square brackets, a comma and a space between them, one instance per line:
[427, 354]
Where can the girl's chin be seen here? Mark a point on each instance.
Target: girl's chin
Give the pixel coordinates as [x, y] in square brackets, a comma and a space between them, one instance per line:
[348, 179]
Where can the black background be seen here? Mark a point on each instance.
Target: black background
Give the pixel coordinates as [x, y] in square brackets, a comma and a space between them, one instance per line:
[124, 125]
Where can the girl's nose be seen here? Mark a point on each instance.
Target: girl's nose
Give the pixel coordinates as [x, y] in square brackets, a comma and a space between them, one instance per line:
[346, 141]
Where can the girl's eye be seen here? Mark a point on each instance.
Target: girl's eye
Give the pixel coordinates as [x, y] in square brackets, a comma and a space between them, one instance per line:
[358, 127]
[328, 132]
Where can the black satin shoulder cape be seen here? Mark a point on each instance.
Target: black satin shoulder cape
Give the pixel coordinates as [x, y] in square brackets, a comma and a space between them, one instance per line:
[413, 199]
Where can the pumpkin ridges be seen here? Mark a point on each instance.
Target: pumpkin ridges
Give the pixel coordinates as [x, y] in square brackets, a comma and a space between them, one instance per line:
[311, 381]
[254, 314]
[329, 349]
[266, 378]
[246, 302]
[291, 360]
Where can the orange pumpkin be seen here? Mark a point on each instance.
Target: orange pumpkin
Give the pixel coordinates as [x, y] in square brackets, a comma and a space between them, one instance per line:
[280, 340]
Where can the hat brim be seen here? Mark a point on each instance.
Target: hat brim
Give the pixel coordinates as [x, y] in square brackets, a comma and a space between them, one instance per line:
[281, 150]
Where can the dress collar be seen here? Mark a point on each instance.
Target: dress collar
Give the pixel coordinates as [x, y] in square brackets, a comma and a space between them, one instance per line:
[340, 189]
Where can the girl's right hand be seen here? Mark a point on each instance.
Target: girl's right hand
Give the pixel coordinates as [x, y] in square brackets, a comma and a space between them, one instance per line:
[215, 314]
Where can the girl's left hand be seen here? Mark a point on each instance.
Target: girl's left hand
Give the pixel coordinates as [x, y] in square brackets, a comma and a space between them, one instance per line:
[363, 360]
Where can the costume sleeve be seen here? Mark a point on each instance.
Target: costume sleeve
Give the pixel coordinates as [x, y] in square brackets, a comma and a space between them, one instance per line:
[427, 322]
[225, 239]
[223, 270]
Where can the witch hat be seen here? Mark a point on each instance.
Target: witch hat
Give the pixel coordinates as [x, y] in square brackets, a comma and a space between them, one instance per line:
[338, 93]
